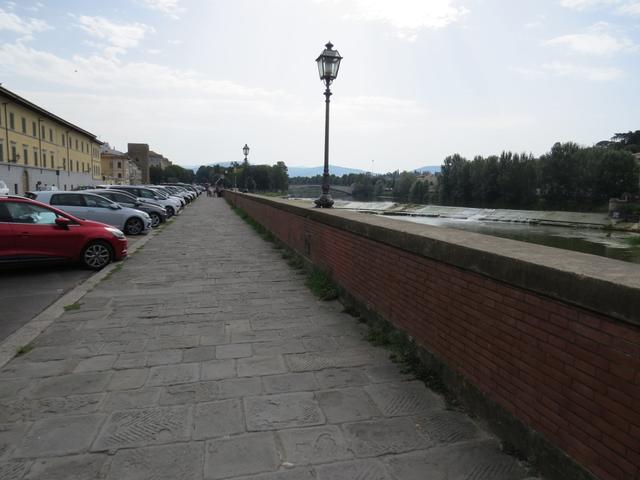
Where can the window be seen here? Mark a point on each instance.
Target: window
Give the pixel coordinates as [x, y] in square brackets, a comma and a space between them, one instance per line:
[146, 194]
[64, 163]
[44, 159]
[82, 146]
[42, 130]
[119, 164]
[53, 159]
[97, 201]
[34, 129]
[20, 212]
[119, 175]
[12, 120]
[14, 152]
[76, 144]
[35, 157]
[25, 152]
[70, 164]
[77, 167]
[63, 141]
[1, 152]
[51, 135]
[68, 199]
[24, 125]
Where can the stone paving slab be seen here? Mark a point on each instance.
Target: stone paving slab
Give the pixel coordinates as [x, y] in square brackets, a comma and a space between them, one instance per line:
[205, 357]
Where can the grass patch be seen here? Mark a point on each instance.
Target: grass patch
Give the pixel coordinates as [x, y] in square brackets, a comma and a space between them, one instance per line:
[72, 306]
[117, 268]
[634, 241]
[320, 283]
[23, 350]
[404, 352]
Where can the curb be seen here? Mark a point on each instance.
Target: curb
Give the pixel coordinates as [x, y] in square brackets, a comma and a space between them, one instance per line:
[28, 332]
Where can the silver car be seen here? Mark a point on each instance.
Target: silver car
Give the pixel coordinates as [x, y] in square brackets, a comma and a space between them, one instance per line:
[96, 208]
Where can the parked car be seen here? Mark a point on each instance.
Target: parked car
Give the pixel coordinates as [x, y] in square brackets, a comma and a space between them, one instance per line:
[172, 192]
[157, 213]
[166, 194]
[31, 231]
[97, 208]
[4, 190]
[146, 194]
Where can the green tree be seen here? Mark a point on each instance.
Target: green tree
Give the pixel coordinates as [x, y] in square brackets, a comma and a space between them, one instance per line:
[419, 192]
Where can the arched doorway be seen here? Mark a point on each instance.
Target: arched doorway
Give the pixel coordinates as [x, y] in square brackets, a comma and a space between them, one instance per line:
[25, 181]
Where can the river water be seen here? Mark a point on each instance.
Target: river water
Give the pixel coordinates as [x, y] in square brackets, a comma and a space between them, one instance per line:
[616, 245]
[587, 240]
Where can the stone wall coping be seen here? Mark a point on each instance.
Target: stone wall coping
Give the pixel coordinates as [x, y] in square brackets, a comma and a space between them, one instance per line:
[606, 286]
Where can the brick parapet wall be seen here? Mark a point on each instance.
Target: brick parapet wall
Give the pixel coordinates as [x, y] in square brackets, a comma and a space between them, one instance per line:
[568, 372]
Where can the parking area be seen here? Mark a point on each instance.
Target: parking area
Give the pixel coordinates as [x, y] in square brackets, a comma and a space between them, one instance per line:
[25, 291]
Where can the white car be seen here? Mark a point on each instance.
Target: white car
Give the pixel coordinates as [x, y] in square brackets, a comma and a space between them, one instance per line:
[4, 190]
[99, 209]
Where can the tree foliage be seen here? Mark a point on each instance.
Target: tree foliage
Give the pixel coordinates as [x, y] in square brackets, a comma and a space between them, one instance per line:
[260, 178]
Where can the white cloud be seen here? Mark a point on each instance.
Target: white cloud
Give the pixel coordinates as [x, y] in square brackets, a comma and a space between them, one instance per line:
[145, 80]
[585, 4]
[571, 70]
[621, 7]
[595, 43]
[170, 8]
[124, 36]
[632, 8]
[27, 27]
[407, 17]
[595, 74]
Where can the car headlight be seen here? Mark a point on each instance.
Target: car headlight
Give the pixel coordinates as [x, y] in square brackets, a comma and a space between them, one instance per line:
[115, 232]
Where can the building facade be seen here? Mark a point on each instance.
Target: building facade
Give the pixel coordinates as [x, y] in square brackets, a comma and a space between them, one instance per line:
[38, 146]
[158, 160]
[139, 153]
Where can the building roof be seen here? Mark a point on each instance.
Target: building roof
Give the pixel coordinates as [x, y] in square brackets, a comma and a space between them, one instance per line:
[17, 99]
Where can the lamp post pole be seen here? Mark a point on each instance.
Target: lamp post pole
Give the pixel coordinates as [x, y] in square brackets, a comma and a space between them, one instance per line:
[328, 64]
[245, 166]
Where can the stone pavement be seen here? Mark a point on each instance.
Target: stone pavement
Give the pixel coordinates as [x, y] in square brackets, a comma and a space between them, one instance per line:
[206, 357]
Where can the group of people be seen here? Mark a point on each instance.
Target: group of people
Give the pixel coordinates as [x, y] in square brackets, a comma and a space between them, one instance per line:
[213, 191]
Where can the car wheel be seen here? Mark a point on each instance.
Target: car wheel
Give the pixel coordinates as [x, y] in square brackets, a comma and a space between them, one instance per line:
[97, 255]
[155, 219]
[133, 226]
[170, 212]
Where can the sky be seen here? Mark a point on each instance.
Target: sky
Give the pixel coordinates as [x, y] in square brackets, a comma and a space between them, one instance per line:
[419, 79]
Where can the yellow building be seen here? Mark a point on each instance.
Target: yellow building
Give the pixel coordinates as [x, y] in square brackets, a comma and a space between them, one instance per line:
[38, 146]
[118, 168]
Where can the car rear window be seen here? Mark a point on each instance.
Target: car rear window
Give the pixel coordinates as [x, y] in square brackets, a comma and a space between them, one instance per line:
[68, 199]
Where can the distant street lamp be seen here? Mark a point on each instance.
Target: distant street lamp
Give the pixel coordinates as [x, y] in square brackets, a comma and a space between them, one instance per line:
[328, 65]
[245, 150]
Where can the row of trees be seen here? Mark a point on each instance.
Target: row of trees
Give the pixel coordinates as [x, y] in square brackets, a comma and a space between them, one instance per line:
[254, 178]
[569, 176]
[173, 173]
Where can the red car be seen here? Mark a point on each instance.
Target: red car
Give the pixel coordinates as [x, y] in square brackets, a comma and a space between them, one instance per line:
[33, 231]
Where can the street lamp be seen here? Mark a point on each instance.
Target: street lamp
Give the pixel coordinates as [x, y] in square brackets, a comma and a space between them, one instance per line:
[245, 150]
[328, 64]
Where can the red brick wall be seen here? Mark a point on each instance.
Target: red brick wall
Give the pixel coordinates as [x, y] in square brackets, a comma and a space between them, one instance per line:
[570, 374]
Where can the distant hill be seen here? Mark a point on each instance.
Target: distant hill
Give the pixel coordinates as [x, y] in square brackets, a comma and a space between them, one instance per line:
[430, 169]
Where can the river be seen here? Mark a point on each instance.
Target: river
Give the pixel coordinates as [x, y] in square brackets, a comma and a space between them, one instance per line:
[595, 241]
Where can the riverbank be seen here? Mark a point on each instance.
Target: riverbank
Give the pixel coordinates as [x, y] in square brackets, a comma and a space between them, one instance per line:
[535, 217]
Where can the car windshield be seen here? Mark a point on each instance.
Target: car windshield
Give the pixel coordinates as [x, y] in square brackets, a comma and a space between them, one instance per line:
[162, 194]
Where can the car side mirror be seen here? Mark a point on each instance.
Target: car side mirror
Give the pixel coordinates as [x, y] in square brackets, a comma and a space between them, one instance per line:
[63, 222]
[138, 203]
[115, 206]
